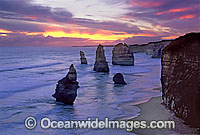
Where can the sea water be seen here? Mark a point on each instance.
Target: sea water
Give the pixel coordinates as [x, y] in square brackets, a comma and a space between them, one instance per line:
[28, 78]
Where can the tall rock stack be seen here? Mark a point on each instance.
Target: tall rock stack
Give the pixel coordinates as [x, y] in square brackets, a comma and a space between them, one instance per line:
[83, 59]
[181, 77]
[66, 89]
[121, 55]
[101, 65]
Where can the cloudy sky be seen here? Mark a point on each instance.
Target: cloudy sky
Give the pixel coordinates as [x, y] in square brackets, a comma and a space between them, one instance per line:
[91, 22]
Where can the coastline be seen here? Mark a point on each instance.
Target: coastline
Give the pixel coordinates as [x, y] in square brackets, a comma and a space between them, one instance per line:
[154, 110]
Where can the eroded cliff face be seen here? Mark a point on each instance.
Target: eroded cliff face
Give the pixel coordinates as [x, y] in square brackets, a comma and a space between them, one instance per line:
[152, 48]
[180, 77]
[155, 48]
[138, 48]
[122, 56]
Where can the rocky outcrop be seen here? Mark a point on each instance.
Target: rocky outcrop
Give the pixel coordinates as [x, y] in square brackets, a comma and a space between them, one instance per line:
[119, 79]
[66, 89]
[152, 48]
[101, 65]
[138, 48]
[83, 59]
[122, 56]
[157, 48]
[181, 77]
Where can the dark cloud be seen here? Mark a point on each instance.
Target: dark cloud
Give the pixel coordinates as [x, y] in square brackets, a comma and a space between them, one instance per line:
[149, 13]
[141, 40]
[161, 5]
[25, 10]
[40, 40]
[15, 25]
[168, 13]
[107, 25]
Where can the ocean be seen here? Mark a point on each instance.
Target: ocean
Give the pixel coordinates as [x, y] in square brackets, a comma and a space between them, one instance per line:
[28, 78]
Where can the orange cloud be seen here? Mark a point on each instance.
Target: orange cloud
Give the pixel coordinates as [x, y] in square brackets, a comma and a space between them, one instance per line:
[125, 18]
[160, 13]
[189, 16]
[5, 31]
[31, 17]
[31, 33]
[170, 37]
[174, 10]
[180, 9]
[144, 35]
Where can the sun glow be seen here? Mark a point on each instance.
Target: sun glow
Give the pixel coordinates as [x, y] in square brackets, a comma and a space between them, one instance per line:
[170, 37]
[5, 31]
[97, 36]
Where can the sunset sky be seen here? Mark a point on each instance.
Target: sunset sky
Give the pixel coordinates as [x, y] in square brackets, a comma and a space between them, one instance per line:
[91, 22]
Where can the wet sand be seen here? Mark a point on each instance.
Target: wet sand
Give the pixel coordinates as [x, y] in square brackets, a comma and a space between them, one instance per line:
[154, 110]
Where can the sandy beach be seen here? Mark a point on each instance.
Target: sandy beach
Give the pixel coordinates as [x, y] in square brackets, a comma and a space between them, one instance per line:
[154, 110]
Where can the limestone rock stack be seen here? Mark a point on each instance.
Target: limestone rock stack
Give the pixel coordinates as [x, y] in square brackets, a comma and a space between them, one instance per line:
[122, 56]
[83, 59]
[180, 77]
[66, 89]
[119, 79]
[101, 65]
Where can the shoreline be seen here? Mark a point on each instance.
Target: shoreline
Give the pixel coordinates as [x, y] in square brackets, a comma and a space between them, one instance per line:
[154, 110]
[133, 106]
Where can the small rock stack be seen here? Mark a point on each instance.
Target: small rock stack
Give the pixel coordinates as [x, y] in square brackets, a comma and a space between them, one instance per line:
[101, 65]
[119, 79]
[66, 89]
[83, 59]
[121, 55]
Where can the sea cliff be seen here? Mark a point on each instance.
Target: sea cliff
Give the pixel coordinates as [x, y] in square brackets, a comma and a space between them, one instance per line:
[180, 77]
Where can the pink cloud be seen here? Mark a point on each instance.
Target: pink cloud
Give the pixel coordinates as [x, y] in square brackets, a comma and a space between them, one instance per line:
[188, 16]
[147, 4]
